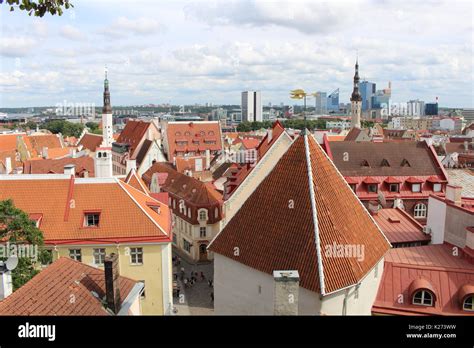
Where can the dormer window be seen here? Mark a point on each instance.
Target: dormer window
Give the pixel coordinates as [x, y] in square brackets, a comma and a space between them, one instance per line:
[437, 187]
[394, 187]
[423, 298]
[353, 187]
[365, 163]
[203, 215]
[468, 303]
[385, 163]
[91, 219]
[372, 188]
[405, 163]
[416, 187]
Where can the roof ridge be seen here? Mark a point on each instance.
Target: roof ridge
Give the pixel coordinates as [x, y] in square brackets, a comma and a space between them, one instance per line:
[121, 184]
[315, 216]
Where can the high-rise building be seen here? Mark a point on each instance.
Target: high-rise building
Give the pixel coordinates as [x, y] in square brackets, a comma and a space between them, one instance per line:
[356, 100]
[252, 106]
[416, 107]
[321, 103]
[367, 91]
[431, 109]
[333, 101]
[468, 115]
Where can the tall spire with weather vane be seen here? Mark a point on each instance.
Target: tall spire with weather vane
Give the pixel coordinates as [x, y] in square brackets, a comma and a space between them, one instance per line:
[356, 99]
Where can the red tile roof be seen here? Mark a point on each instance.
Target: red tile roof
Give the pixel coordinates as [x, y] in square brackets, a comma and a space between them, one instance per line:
[399, 227]
[90, 141]
[189, 163]
[52, 290]
[36, 143]
[8, 141]
[133, 133]
[56, 166]
[195, 134]
[271, 235]
[435, 266]
[124, 211]
[188, 188]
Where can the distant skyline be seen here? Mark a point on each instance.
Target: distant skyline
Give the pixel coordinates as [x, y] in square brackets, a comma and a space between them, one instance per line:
[187, 52]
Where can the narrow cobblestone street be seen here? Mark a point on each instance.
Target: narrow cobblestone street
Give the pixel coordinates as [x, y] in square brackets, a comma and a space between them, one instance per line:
[194, 299]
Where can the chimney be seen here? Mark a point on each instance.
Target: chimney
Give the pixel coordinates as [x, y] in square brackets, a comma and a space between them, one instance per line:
[70, 169]
[287, 285]
[208, 159]
[373, 207]
[44, 153]
[6, 285]
[453, 193]
[270, 135]
[466, 146]
[131, 164]
[8, 165]
[86, 173]
[112, 290]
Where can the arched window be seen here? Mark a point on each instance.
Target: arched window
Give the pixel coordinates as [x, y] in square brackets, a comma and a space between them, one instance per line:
[203, 214]
[210, 133]
[105, 154]
[423, 298]
[99, 154]
[468, 304]
[420, 210]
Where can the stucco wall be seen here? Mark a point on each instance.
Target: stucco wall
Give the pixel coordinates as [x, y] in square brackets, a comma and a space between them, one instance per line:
[241, 290]
[436, 220]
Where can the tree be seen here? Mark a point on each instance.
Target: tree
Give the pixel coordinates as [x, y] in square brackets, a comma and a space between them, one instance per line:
[39, 8]
[17, 228]
[65, 128]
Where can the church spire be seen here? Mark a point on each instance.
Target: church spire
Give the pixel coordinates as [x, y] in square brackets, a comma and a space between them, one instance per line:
[356, 99]
[107, 109]
[355, 92]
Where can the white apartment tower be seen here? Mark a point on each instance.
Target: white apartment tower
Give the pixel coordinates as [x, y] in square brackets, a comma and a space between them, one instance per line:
[103, 154]
[356, 100]
[252, 106]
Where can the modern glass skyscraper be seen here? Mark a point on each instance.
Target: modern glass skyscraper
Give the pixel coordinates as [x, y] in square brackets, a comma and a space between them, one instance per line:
[321, 103]
[333, 101]
[431, 109]
[367, 91]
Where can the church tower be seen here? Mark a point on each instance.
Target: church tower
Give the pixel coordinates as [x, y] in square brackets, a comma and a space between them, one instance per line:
[356, 100]
[103, 154]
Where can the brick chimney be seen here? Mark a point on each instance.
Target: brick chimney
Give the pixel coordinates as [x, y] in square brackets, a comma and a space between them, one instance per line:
[453, 193]
[287, 285]
[70, 169]
[112, 290]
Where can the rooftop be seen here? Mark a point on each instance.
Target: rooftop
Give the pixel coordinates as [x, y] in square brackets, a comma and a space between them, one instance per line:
[303, 206]
[59, 281]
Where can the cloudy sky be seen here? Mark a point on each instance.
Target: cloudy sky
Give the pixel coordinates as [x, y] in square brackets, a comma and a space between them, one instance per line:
[187, 52]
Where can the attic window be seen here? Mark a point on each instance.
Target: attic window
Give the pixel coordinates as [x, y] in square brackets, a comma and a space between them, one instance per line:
[423, 298]
[468, 303]
[405, 163]
[155, 207]
[187, 134]
[210, 133]
[385, 163]
[365, 163]
[91, 219]
[177, 134]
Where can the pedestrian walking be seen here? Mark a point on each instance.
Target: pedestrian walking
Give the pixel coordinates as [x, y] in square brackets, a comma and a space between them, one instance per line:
[212, 296]
[202, 276]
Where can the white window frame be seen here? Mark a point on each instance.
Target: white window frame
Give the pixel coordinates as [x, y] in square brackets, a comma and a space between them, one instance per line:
[135, 253]
[464, 303]
[186, 242]
[437, 187]
[201, 229]
[99, 253]
[423, 297]
[75, 253]
[86, 219]
[418, 185]
[420, 211]
[203, 215]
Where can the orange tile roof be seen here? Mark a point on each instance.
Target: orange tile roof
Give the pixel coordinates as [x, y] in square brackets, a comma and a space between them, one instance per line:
[90, 141]
[250, 143]
[50, 292]
[58, 152]
[36, 143]
[197, 132]
[124, 211]
[447, 275]
[8, 141]
[271, 235]
[189, 163]
[399, 227]
[56, 166]
[136, 182]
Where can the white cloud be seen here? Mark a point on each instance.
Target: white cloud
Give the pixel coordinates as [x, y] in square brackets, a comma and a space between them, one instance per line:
[72, 33]
[17, 46]
[124, 26]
